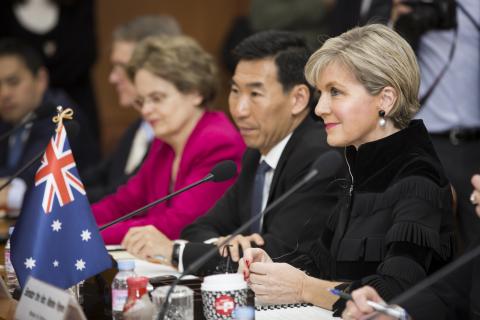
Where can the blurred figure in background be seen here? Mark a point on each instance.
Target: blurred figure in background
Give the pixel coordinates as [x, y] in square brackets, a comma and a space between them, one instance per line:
[175, 80]
[447, 38]
[24, 91]
[130, 151]
[64, 32]
[309, 18]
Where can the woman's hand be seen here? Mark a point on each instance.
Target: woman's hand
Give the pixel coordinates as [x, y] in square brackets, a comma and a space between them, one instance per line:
[359, 309]
[276, 282]
[147, 242]
[250, 256]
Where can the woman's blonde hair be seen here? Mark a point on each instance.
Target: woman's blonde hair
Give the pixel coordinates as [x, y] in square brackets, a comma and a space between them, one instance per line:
[179, 60]
[378, 57]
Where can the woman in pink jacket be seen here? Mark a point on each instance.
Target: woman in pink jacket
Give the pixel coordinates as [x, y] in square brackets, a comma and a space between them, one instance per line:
[175, 81]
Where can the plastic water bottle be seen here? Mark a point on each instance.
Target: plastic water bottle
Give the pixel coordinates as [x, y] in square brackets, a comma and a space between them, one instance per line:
[12, 280]
[120, 287]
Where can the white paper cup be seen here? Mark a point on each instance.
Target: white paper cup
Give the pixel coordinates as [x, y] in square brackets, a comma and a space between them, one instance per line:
[221, 294]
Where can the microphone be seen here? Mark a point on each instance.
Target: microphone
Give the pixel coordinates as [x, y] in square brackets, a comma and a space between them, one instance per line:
[222, 171]
[38, 114]
[72, 128]
[322, 168]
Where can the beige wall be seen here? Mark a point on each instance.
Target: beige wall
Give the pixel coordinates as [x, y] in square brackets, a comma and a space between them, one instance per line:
[205, 20]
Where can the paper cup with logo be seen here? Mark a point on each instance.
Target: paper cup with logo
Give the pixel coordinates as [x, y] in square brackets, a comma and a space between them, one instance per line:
[221, 294]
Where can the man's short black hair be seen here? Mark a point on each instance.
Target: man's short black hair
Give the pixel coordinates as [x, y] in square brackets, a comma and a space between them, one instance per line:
[23, 51]
[289, 50]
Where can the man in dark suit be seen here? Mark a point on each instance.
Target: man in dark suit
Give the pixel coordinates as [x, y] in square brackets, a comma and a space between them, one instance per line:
[271, 103]
[133, 146]
[23, 93]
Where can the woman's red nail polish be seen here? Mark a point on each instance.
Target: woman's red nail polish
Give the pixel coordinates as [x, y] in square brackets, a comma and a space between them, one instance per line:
[245, 275]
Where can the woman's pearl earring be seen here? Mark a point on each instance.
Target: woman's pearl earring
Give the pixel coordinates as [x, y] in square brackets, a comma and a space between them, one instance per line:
[382, 122]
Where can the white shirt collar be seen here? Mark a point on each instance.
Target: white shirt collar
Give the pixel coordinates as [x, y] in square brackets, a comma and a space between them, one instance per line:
[273, 156]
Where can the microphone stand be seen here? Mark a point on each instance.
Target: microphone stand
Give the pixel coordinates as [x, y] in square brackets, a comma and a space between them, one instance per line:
[202, 260]
[148, 206]
[32, 117]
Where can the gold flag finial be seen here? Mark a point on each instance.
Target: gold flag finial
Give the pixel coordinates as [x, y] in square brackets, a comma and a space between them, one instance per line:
[62, 114]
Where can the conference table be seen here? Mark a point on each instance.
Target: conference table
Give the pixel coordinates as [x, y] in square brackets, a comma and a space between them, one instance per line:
[95, 307]
[265, 312]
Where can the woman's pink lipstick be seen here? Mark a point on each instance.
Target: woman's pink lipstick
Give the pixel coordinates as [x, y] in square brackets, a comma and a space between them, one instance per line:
[330, 125]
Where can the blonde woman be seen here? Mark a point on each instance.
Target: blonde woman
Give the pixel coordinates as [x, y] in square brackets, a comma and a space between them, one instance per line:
[394, 225]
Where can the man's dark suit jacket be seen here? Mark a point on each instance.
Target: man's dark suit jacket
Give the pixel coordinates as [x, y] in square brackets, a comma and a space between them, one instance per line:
[282, 227]
[41, 132]
[105, 178]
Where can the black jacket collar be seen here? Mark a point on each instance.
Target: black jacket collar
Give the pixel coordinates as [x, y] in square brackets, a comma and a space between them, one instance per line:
[378, 163]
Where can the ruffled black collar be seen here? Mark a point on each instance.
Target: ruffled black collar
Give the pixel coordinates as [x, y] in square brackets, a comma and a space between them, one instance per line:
[376, 164]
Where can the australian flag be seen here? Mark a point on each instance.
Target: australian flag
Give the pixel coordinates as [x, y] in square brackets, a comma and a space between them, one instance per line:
[56, 238]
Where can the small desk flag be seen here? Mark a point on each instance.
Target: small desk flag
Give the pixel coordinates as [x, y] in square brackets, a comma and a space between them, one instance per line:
[56, 238]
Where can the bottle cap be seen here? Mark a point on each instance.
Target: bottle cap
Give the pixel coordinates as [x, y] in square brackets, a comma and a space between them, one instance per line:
[137, 282]
[126, 264]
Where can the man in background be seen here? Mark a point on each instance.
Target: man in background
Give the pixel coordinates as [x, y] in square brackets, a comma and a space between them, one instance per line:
[27, 104]
[446, 35]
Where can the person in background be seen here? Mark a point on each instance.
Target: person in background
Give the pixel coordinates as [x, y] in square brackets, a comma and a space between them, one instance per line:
[64, 33]
[271, 102]
[24, 90]
[308, 18]
[449, 89]
[394, 225]
[452, 297]
[130, 151]
[175, 81]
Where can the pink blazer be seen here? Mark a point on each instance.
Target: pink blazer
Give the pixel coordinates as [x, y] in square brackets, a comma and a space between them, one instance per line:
[214, 139]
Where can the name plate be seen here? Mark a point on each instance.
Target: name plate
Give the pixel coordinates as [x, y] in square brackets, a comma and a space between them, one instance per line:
[41, 301]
